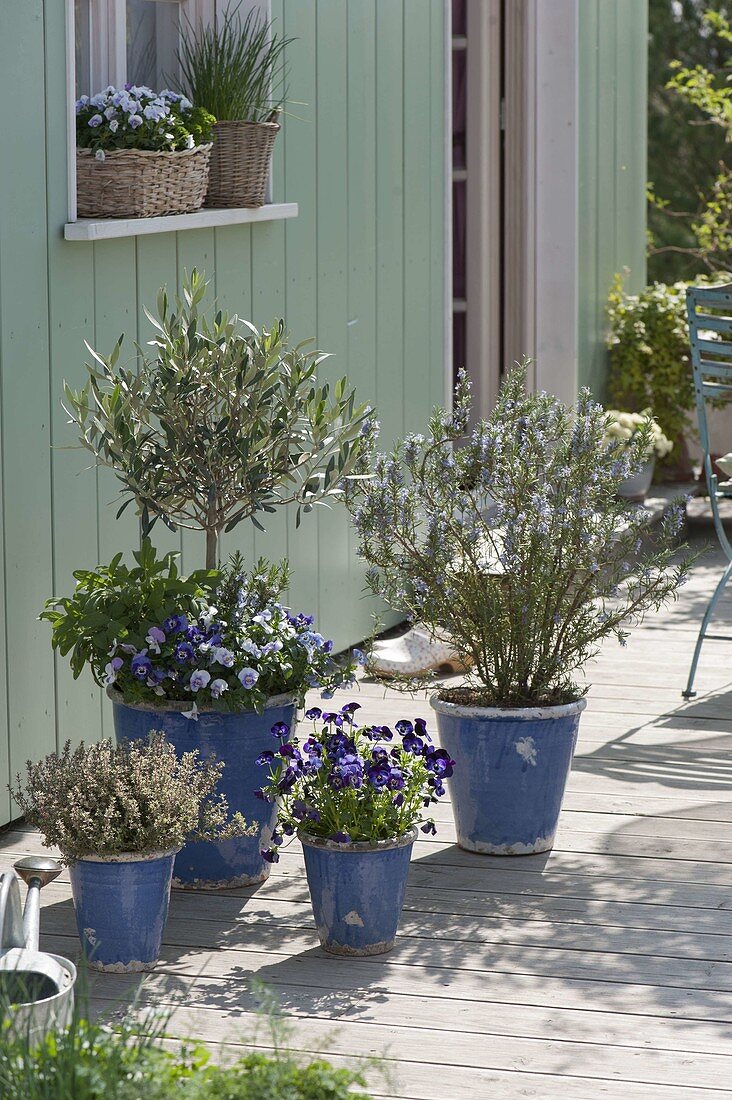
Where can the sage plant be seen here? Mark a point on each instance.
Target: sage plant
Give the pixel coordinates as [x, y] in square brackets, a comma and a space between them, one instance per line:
[219, 423]
[514, 540]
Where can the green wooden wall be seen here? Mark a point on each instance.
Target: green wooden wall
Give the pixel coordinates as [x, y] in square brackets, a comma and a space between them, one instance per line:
[361, 269]
[613, 49]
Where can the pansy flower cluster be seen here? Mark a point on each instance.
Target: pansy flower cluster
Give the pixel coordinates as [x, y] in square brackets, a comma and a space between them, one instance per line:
[233, 656]
[136, 117]
[349, 783]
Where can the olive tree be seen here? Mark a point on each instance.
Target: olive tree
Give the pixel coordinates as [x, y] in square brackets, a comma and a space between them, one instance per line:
[216, 421]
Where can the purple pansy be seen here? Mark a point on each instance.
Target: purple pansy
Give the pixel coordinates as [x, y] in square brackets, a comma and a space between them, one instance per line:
[141, 665]
[184, 653]
[111, 669]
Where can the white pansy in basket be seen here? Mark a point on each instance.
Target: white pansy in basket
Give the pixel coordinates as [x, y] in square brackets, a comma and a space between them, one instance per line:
[140, 153]
[625, 425]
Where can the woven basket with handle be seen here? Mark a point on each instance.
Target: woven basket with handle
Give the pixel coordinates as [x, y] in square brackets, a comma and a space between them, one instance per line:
[141, 183]
[240, 161]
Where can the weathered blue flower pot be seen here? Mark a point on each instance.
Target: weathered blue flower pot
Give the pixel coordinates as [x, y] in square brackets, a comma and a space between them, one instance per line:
[357, 891]
[236, 740]
[511, 768]
[121, 905]
[636, 487]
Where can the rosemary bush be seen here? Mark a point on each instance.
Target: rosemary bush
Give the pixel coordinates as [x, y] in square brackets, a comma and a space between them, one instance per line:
[104, 799]
[236, 70]
[220, 423]
[515, 541]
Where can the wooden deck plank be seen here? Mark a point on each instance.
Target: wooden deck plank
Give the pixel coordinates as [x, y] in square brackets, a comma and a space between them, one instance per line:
[455, 1049]
[236, 950]
[470, 1017]
[255, 921]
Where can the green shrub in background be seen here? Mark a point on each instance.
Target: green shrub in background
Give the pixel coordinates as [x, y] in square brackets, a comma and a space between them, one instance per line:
[649, 362]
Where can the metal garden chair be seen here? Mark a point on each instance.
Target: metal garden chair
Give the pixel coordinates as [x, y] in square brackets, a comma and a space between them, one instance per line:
[710, 332]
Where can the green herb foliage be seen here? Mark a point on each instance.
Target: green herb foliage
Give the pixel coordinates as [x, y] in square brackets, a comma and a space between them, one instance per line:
[237, 70]
[93, 1061]
[116, 604]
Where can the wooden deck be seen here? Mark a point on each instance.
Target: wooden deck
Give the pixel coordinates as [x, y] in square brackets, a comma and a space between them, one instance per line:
[599, 970]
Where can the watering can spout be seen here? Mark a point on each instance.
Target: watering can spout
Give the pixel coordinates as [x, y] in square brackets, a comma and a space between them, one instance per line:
[36, 872]
[36, 988]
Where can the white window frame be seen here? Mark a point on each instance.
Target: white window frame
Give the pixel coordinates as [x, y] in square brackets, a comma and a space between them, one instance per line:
[108, 63]
[108, 36]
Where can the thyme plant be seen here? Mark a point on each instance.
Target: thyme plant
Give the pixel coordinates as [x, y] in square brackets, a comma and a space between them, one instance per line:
[513, 539]
[104, 799]
[219, 422]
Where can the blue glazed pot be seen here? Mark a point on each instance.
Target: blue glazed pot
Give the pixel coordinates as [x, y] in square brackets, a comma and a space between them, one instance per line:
[511, 768]
[236, 740]
[357, 891]
[121, 905]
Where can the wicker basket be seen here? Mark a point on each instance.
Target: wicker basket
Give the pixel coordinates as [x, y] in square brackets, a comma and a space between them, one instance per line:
[240, 161]
[138, 183]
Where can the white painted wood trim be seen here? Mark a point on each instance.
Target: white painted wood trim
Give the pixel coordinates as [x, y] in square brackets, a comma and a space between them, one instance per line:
[483, 176]
[517, 229]
[70, 28]
[554, 35]
[88, 229]
[447, 183]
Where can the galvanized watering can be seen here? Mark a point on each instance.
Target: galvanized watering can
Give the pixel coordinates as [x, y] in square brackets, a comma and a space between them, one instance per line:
[36, 989]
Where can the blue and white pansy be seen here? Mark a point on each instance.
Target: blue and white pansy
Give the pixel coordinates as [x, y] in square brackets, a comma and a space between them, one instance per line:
[238, 652]
[136, 117]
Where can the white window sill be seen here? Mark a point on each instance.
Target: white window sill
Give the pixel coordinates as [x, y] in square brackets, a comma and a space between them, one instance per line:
[90, 229]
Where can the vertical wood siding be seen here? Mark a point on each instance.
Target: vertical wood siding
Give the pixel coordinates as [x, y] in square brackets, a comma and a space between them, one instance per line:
[613, 46]
[361, 270]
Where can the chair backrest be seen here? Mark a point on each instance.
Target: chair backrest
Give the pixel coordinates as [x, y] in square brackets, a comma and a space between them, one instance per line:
[709, 310]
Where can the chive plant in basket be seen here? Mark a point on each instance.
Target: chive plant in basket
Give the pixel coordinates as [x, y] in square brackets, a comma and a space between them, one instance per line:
[237, 69]
[526, 586]
[220, 423]
[355, 797]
